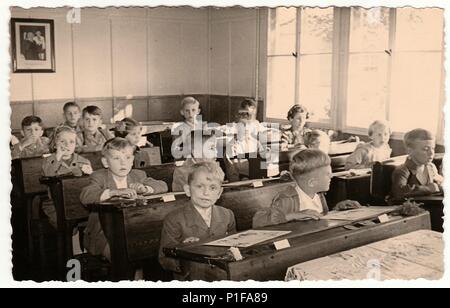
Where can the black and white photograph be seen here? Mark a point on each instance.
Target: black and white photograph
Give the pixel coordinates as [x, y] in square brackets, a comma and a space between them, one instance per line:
[284, 144]
[32, 42]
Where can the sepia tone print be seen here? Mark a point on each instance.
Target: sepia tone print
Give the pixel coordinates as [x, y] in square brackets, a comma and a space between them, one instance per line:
[178, 143]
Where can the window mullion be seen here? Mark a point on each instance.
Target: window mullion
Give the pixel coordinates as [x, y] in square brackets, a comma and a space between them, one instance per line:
[342, 68]
[297, 52]
[392, 55]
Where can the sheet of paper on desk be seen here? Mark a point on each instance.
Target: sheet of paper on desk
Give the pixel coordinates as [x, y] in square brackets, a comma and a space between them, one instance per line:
[357, 214]
[247, 238]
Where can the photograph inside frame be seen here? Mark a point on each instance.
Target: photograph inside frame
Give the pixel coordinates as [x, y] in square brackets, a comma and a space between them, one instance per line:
[227, 144]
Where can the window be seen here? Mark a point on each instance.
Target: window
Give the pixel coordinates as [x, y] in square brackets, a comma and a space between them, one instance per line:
[368, 64]
[417, 69]
[351, 66]
[300, 75]
[315, 62]
[281, 61]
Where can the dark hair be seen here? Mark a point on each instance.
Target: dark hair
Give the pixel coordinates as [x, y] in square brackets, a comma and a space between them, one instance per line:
[28, 120]
[248, 102]
[297, 109]
[124, 126]
[94, 110]
[70, 104]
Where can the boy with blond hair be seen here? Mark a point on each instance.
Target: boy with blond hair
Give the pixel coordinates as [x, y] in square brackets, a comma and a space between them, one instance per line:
[378, 149]
[311, 170]
[200, 219]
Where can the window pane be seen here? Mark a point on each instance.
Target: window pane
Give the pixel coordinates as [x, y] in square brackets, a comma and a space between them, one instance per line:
[416, 81]
[367, 88]
[315, 86]
[316, 30]
[281, 90]
[282, 28]
[369, 29]
[419, 29]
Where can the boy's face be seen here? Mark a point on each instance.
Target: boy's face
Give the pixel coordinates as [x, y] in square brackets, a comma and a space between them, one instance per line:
[251, 111]
[91, 122]
[134, 135]
[298, 121]
[244, 117]
[204, 190]
[66, 143]
[33, 131]
[190, 112]
[422, 151]
[119, 162]
[318, 180]
[72, 115]
[380, 136]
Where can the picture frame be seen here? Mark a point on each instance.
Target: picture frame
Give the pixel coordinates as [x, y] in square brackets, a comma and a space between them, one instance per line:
[32, 45]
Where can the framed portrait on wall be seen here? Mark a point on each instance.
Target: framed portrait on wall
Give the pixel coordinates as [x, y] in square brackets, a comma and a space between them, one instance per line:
[32, 45]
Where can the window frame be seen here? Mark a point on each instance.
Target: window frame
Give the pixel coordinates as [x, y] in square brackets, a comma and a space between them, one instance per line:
[340, 68]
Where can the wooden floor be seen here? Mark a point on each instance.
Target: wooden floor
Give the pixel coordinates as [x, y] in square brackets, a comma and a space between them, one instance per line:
[414, 255]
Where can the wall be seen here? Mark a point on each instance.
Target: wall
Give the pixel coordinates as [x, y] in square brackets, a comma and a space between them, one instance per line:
[129, 61]
[235, 43]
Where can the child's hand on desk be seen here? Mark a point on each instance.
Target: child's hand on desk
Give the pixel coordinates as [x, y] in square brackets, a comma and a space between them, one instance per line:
[141, 188]
[304, 215]
[125, 192]
[347, 205]
[191, 239]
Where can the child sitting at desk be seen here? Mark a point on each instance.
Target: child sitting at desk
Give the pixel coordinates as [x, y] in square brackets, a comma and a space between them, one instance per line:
[200, 219]
[293, 134]
[117, 180]
[247, 137]
[63, 161]
[93, 135]
[202, 150]
[311, 171]
[33, 143]
[418, 176]
[72, 115]
[190, 110]
[131, 130]
[366, 154]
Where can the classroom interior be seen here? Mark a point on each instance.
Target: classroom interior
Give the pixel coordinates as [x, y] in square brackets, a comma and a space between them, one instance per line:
[349, 66]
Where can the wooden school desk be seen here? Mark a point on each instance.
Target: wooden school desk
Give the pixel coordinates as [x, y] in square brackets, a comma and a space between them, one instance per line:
[133, 229]
[25, 176]
[419, 254]
[65, 192]
[338, 154]
[308, 240]
[349, 187]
